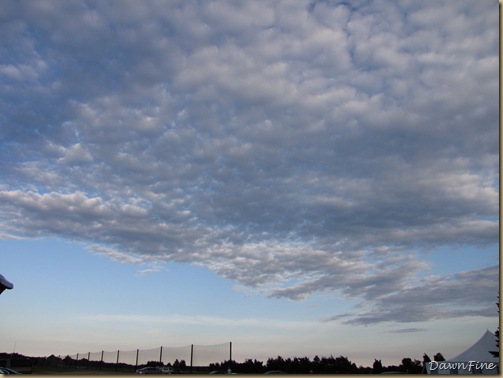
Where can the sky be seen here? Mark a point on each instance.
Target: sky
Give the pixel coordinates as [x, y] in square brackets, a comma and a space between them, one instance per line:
[298, 178]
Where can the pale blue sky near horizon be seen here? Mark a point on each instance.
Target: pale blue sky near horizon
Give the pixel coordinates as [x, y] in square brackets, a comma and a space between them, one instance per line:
[298, 178]
[67, 301]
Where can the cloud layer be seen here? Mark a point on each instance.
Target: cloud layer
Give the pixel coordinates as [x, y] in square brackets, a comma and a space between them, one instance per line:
[293, 147]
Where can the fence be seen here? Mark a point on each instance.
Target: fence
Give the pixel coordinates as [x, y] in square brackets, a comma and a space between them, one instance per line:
[189, 356]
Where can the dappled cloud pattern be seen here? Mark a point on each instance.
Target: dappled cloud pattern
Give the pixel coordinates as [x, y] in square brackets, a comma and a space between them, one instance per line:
[291, 146]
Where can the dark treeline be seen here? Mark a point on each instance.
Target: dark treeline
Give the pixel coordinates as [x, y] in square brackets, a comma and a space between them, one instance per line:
[323, 365]
[303, 365]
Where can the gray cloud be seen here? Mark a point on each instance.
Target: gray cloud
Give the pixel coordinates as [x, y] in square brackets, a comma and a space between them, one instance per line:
[407, 330]
[293, 147]
[436, 298]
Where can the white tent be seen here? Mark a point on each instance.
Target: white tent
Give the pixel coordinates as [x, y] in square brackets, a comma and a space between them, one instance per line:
[4, 284]
[475, 360]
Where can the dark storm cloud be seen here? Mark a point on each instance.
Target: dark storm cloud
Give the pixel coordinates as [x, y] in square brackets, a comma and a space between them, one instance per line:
[293, 147]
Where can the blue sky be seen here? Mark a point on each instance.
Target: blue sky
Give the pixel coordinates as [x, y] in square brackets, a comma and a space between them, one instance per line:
[298, 177]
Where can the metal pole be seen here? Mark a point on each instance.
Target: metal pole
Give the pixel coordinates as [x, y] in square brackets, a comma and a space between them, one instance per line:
[88, 359]
[101, 361]
[191, 355]
[117, 364]
[230, 351]
[160, 356]
[137, 352]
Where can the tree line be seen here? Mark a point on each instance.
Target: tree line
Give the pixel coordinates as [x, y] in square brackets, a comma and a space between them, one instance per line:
[323, 365]
[296, 365]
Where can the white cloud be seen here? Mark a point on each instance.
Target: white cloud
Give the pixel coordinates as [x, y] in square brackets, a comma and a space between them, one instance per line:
[118, 256]
[281, 144]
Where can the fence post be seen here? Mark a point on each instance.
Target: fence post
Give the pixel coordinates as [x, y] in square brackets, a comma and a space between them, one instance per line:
[117, 363]
[191, 355]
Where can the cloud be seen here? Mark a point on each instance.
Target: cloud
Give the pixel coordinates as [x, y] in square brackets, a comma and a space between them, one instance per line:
[407, 330]
[292, 147]
[119, 256]
[436, 298]
[197, 321]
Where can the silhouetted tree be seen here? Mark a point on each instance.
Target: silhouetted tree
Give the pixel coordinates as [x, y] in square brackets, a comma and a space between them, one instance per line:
[68, 361]
[438, 357]
[411, 367]
[496, 353]
[251, 366]
[305, 365]
[316, 364]
[377, 367]
[406, 364]
[276, 364]
[343, 365]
